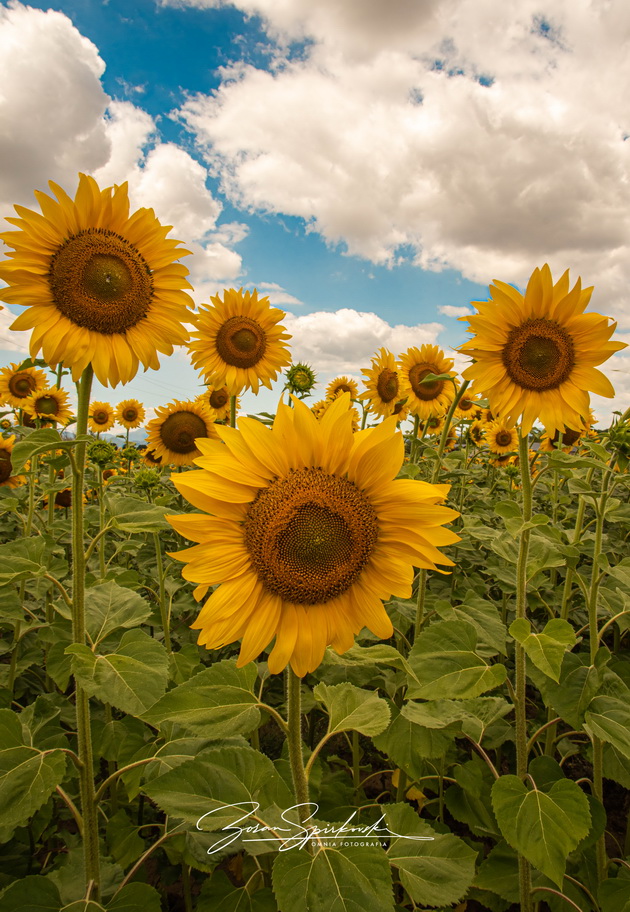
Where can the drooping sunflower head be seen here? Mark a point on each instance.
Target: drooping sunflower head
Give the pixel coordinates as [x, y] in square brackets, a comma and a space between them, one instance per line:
[101, 417]
[217, 400]
[300, 378]
[49, 405]
[173, 435]
[6, 467]
[239, 342]
[500, 437]
[130, 413]
[101, 287]
[476, 432]
[18, 383]
[384, 385]
[307, 530]
[535, 354]
[101, 453]
[342, 385]
[432, 397]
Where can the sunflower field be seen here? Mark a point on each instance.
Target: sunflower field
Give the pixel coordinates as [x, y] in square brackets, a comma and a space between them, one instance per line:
[366, 653]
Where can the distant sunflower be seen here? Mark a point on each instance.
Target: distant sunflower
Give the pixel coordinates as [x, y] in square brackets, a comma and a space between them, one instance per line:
[535, 354]
[150, 459]
[7, 479]
[100, 286]
[239, 341]
[401, 411]
[49, 405]
[426, 399]
[342, 385]
[432, 426]
[384, 388]
[17, 384]
[476, 432]
[300, 378]
[320, 408]
[130, 413]
[217, 400]
[101, 417]
[173, 434]
[309, 531]
[501, 438]
[467, 407]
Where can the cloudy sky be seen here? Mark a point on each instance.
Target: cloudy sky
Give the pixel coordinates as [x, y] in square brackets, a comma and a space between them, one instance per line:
[370, 165]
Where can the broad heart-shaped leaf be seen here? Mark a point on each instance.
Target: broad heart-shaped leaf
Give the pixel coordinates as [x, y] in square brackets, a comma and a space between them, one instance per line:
[218, 894]
[545, 649]
[579, 682]
[614, 894]
[435, 871]
[35, 893]
[609, 719]
[109, 606]
[24, 558]
[27, 776]
[133, 897]
[406, 743]
[351, 878]
[219, 702]
[482, 614]
[131, 679]
[445, 663]
[543, 826]
[380, 654]
[131, 514]
[352, 709]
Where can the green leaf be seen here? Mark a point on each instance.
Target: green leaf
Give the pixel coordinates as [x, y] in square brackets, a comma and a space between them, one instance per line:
[216, 703]
[545, 649]
[35, 893]
[406, 744]
[348, 879]
[134, 897]
[435, 871]
[579, 682]
[131, 679]
[352, 709]
[445, 663]
[360, 656]
[614, 895]
[38, 441]
[543, 826]
[482, 614]
[609, 719]
[218, 894]
[131, 514]
[108, 607]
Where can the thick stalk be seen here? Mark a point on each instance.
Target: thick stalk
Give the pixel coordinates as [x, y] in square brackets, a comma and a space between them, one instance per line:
[233, 411]
[164, 614]
[294, 740]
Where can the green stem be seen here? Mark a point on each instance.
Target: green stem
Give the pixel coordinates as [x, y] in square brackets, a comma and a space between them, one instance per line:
[101, 523]
[447, 423]
[233, 411]
[164, 613]
[294, 740]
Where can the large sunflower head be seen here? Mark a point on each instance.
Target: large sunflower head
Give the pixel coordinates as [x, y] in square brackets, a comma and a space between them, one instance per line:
[6, 468]
[307, 530]
[342, 385]
[500, 438]
[18, 383]
[217, 400]
[239, 342]
[49, 405]
[384, 386]
[130, 413]
[101, 286]
[101, 417]
[535, 354]
[173, 435]
[432, 397]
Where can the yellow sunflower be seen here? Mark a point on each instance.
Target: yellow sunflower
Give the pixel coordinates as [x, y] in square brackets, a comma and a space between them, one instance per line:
[535, 354]
[401, 411]
[500, 438]
[320, 408]
[101, 417]
[467, 407]
[17, 384]
[150, 459]
[174, 433]
[6, 467]
[384, 386]
[427, 399]
[434, 426]
[342, 385]
[130, 413]
[308, 533]
[239, 342]
[100, 286]
[217, 400]
[476, 432]
[49, 405]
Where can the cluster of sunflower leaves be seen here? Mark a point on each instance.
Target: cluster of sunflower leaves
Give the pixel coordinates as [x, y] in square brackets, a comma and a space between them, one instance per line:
[409, 747]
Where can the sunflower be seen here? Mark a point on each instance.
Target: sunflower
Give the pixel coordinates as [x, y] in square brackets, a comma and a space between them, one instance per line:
[49, 405]
[467, 407]
[6, 424]
[342, 385]
[384, 387]
[434, 426]
[320, 408]
[300, 378]
[100, 286]
[173, 434]
[476, 432]
[435, 397]
[309, 532]
[500, 438]
[6, 467]
[217, 400]
[401, 411]
[101, 417]
[535, 354]
[150, 459]
[130, 413]
[239, 342]
[17, 384]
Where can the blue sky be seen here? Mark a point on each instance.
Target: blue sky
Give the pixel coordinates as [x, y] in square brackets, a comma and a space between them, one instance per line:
[371, 166]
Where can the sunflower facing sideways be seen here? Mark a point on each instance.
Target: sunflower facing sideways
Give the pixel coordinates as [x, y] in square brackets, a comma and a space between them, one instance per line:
[6, 468]
[49, 405]
[18, 383]
[535, 354]
[130, 413]
[217, 400]
[101, 417]
[384, 388]
[308, 532]
[173, 435]
[239, 341]
[431, 398]
[342, 385]
[99, 285]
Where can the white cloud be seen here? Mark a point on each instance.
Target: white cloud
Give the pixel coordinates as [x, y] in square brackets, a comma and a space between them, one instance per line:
[450, 310]
[278, 296]
[11, 341]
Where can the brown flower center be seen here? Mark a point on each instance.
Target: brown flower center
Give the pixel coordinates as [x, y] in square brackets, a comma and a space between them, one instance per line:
[99, 281]
[241, 342]
[180, 431]
[22, 385]
[46, 405]
[465, 404]
[425, 391]
[219, 398]
[503, 438]
[569, 438]
[310, 535]
[64, 498]
[5, 466]
[539, 355]
[387, 385]
[100, 416]
[130, 414]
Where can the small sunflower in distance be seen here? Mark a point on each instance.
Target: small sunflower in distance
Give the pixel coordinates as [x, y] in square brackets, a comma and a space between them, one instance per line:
[173, 434]
[300, 379]
[535, 354]
[239, 341]
[130, 413]
[101, 417]
[500, 438]
[342, 385]
[383, 383]
[467, 407]
[18, 383]
[431, 398]
[309, 530]
[101, 287]
[217, 400]
[49, 405]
